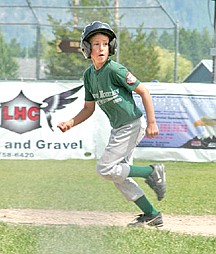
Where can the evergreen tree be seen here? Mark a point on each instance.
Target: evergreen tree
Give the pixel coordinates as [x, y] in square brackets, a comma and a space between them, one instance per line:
[15, 48]
[193, 52]
[166, 40]
[152, 38]
[138, 55]
[8, 65]
[64, 65]
[72, 65]
[193, 45]
[206, 44]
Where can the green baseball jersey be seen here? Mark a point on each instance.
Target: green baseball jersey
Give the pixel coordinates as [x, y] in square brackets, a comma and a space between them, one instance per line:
[111, 87]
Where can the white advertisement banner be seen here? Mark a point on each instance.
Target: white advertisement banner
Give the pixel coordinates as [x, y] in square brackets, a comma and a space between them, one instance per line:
[30, 112]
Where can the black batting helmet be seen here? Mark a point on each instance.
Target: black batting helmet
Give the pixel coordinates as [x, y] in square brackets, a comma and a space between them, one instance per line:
[97, 27]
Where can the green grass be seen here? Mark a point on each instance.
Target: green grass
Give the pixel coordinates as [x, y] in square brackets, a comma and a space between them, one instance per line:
[74, 185]
[100, 240]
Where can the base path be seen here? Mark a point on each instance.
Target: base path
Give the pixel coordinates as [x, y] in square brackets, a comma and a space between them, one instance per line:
[187, 224]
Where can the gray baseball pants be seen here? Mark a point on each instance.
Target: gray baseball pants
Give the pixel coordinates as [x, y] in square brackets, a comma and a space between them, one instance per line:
[115, 162]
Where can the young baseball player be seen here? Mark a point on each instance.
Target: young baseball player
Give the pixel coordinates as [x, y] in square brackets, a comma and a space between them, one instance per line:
[110, 85]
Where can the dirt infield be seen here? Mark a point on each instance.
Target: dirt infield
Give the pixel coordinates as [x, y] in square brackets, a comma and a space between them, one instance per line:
[194, 225]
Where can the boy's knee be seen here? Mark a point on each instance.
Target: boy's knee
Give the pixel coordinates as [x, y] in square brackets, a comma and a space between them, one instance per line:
[116, 173]
[103, 171]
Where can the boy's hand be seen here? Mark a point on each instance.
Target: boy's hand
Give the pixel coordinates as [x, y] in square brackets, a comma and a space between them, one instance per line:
[152, 130]
[64, 126]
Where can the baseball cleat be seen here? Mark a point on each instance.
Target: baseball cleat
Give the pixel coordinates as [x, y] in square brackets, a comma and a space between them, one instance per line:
[157, 180]
[149, 220]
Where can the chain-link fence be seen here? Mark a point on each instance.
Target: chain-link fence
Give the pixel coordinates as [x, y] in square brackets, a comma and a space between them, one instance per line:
[36, 35]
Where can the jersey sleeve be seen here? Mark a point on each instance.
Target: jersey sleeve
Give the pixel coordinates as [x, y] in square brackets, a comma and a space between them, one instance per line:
[88, 95]
[125, 78]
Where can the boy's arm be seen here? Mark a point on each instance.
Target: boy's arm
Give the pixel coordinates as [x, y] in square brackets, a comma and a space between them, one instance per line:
[152, 128]
[83, 115]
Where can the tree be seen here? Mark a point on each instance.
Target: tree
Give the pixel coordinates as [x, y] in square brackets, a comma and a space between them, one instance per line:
[8, 65]
[166, 40]
[72, 65]
[138, 56]
[191, 41]
[152, 38]
[15, 48]
[63, 65]
[206, 43]
[166, 62]
[193, 45]
[86, 15]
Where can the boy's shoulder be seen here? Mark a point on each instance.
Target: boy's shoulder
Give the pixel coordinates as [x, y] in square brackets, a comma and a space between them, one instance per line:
[116, 66]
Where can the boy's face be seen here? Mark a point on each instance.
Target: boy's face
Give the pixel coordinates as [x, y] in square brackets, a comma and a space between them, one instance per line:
[99, 49]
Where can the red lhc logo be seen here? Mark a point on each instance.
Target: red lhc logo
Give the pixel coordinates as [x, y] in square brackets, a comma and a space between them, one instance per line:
[21, 114]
